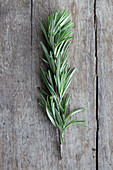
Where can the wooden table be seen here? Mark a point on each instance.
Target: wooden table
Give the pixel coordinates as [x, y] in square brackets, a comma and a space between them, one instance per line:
[28, 141]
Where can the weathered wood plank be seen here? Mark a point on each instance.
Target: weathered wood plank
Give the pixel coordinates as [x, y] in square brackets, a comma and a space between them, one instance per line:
[15, 85]
[79, 143]
[105, 82]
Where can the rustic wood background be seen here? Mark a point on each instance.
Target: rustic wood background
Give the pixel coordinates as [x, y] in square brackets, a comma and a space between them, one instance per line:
[27, 139]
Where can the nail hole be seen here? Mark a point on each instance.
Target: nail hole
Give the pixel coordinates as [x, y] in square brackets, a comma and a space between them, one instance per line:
[93, 149]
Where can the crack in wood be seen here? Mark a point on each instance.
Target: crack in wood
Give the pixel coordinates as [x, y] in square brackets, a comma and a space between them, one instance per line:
[97, 122]
[95, 28]
[31, 21]
[31, 37]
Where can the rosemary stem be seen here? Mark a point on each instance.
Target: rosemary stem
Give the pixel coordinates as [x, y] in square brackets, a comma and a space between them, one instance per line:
[61, 143]
[61, 151]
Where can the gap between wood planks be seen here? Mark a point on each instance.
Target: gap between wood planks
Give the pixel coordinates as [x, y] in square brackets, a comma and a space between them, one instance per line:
[95, 28]
[31, 38]
[31, 22]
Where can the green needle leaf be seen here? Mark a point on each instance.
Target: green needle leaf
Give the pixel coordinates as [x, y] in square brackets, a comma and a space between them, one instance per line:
[75, 122]
[44, 31]
[49, 115]
[72, 113]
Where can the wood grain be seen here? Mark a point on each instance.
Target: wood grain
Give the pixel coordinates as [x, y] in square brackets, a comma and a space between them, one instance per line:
[15, 84]
[105, 83]
[79, 143]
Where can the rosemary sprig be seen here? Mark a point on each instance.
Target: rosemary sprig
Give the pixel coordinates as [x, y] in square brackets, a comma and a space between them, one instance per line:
[57, 31]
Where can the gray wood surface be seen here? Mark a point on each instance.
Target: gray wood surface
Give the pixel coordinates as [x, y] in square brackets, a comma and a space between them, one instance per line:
[28, 141]
[105, 83]
[15, 86]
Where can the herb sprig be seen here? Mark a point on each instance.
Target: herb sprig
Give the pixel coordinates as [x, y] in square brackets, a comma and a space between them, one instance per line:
[57, 31]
